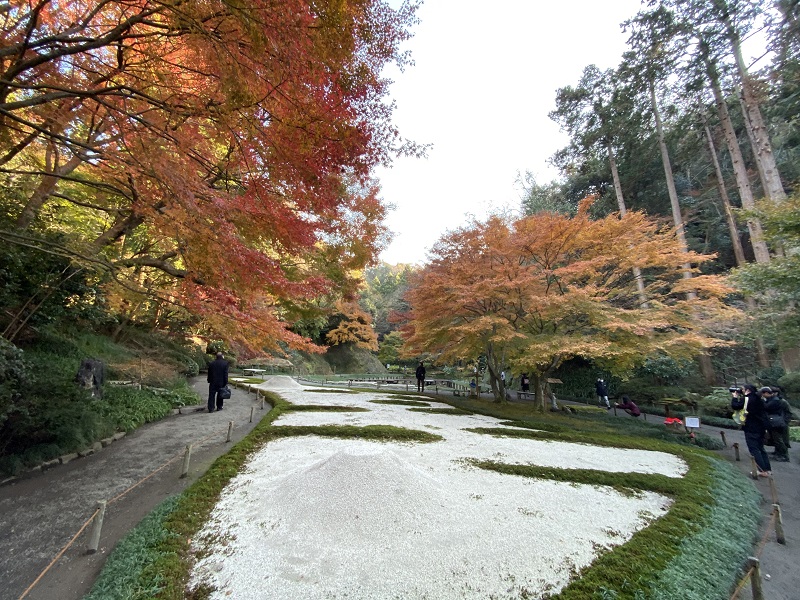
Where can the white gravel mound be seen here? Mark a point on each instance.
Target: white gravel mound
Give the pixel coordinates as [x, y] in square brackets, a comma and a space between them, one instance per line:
[279, 382]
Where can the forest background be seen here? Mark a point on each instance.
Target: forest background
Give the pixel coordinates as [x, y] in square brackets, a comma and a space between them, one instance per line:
[185, 178]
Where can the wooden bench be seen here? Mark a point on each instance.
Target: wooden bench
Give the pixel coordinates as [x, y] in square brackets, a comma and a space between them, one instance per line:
[526, 396]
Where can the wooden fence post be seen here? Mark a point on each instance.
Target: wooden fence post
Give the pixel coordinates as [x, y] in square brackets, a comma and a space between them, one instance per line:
[736, 451]
[97, 526]
[779, 535]
[230, 430]
[755, 578]
[252, 409]
[773, 490]
[186, 458]
[724, 441]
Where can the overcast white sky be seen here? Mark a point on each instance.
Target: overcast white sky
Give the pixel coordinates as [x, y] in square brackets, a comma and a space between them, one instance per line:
[484, 81]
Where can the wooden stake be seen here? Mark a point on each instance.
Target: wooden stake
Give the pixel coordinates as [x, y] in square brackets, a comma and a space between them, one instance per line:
[736, 451]
[230, 430]
[773, 490]
[779, 535]
[97, 526]
[724, 441]
[186, 458]
[252, 410]
[755, 578]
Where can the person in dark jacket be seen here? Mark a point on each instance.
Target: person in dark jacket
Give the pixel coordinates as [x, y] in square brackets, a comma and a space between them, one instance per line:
[628, 406]
[755, 427]
[420, 373]
[778, 410]
[217, 379]
[602, 393]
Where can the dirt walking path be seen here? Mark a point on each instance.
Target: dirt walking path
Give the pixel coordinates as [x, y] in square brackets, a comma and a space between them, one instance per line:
[40, 513]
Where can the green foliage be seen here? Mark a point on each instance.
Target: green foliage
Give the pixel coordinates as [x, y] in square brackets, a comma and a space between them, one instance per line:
[729, 528]
[14, 375]
[665, 370]
[791, 383]
[48, 414]
[121, 578]
[38, 289]
[389, 350]
[643, 391]
[128, 408]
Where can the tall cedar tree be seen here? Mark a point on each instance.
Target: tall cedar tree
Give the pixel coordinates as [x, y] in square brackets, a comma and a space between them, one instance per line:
[211, 155]
[542, 290]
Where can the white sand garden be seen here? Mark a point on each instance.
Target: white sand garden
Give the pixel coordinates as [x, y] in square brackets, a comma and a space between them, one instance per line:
[323, 518]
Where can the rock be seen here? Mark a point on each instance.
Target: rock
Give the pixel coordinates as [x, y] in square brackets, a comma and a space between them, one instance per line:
[91, 375]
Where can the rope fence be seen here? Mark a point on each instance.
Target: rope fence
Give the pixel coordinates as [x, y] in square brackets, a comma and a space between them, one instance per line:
[102, 505]
[753, 573]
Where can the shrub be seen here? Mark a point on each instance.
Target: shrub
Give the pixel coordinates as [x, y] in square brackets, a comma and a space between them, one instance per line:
[14, 375]
[791, 383]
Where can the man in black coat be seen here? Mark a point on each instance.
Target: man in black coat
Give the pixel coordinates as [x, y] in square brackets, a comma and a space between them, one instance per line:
[217, 379]
[420, 373]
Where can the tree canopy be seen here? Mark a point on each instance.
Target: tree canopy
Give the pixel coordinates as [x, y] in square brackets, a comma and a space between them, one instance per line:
[533, 293]
[211, 157]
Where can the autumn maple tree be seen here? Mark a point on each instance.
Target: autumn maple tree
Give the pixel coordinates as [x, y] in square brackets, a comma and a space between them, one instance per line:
[210, 157]
[536, 292]
[352, 326]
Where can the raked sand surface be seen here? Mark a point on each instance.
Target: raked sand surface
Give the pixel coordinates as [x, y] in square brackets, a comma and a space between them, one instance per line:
[321, 518]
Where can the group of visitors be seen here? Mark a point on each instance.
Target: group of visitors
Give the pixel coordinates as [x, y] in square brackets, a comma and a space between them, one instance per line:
[767, 417]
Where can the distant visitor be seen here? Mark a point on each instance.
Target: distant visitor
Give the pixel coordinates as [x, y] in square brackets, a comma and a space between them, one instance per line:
[421, 378]
[217, 379]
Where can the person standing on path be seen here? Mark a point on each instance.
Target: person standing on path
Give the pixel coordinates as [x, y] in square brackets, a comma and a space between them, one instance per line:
[778, 417]
[755, 426]
[420, 378]
[217, 379]
[602, 393]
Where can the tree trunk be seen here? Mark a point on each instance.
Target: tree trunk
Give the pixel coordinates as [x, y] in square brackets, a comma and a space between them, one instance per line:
[539, 383]
[44, 190]
[706, 367]
[760, 249]
[495, 365]
[677, 216]
[738, 251]
[756, 128]
[637, 272]
[736, 242]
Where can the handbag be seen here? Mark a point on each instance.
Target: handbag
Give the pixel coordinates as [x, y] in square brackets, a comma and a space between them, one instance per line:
[224, 392]
[776, 421]
[739, 416]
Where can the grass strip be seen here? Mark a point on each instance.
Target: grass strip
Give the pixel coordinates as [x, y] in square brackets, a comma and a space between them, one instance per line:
[401, 402]
[121, 578]
[441, 411]
[324, 408]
